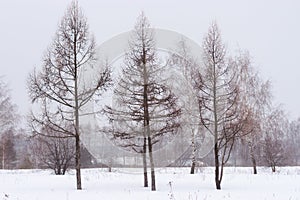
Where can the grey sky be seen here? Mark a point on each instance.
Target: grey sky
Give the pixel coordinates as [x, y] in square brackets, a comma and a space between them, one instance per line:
[269, 29]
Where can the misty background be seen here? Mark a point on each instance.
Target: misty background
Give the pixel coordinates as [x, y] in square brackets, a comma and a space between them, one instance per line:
[269, 30]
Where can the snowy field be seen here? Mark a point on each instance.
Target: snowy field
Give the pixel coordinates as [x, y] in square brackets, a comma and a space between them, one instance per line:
[172, 183]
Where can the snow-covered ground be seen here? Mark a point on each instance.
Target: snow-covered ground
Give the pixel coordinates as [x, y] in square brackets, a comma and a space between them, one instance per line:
[172, 183]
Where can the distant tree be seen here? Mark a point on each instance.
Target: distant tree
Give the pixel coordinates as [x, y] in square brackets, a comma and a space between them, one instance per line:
[146, 110]
[8, 123]
[53, 151]
[293, 142]
[222, 112]
[8, 110]
[7, 151]
[60, 87]
[274, 149]
[26, 162]
[256, 97]
[186, 64]
[23, 147]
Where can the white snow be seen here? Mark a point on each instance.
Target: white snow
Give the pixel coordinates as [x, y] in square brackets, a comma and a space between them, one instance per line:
[172, 183]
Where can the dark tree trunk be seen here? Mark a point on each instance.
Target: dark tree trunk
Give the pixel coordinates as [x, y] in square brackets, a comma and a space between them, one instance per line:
[193, 167]
[109, 165]
[218, 185]
[217, 165]
[64, 170]
[273, 168]
[147, 125]
[145, 162]
[77, 163]
[254, 165]
[193, 155]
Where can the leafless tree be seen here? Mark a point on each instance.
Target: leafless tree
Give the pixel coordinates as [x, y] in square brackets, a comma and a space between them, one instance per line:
[274, 149]
[222, 112]
[8, 110]
[186, 64]
[294, 141]
[145, 109]
[256, 97]
[59, 87]
[8, 122]
[53, 151]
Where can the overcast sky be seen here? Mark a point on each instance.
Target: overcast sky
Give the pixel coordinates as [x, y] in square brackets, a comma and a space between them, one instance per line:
[268, 29]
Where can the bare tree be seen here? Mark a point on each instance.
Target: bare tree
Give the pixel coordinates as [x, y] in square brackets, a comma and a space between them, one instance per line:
[146, 109]
[275, 131]
[256, 97]
[8, 110]
[53, 151]
[221, 111]
[294, 141]
[59, 87]
[8, 122]
[186, 64]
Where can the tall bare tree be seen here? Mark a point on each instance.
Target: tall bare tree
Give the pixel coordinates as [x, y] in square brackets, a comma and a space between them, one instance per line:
[146, 109]
[186, 65]
[59, 87]
[221, 111]
[256, 96]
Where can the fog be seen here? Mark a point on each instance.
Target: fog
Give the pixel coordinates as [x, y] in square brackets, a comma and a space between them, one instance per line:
[269, 30]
